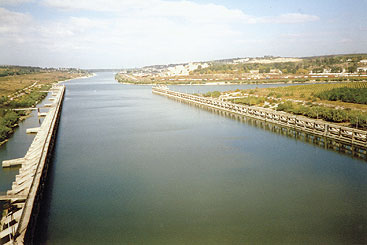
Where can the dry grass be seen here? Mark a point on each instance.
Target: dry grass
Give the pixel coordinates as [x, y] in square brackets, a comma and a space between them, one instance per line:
[307, 93]
[11, 84]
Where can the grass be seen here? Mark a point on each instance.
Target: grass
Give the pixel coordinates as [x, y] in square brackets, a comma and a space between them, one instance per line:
[24, 91]
[224, 78]
[305, 100]
[308, 93]
[14, 83]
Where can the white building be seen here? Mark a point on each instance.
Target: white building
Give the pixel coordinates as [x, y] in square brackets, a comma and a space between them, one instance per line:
[177, 70]
[362, 69]
[182, 70]
[241, 61]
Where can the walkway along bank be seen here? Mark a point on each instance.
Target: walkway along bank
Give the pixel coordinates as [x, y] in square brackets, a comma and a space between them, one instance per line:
[356, 139]
[23, 200]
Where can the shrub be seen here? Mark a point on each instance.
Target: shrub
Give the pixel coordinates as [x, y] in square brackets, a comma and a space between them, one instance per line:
[9, 119]
[351, 95]
[4, 132]
[214, 94]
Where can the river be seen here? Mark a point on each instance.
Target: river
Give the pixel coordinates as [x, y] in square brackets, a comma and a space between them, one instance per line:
[132, 167]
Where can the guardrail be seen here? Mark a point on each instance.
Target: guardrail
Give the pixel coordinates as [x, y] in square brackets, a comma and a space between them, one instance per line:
[344, 134]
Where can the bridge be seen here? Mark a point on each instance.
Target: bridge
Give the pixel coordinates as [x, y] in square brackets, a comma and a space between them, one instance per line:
[23, 200]
[342, 134]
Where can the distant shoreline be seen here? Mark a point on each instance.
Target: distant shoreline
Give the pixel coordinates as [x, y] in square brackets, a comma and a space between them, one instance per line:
[22, 118]
[229, 83]
[83, 77]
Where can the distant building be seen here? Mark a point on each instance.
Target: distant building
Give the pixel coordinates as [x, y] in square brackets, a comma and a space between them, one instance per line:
[177, 70]
[182, 70]
[254, 71]
[362, 69]
[204, 65]
[241, 60]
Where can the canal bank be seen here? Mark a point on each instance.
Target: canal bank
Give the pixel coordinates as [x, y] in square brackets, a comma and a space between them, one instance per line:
[162, 172]
[345, 137]
[24, 198]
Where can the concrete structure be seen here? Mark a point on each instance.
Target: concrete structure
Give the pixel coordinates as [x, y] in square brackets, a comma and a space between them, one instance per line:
[354, 137]
[32, 130]
[18, 224]
[42, 114]
[13, 162]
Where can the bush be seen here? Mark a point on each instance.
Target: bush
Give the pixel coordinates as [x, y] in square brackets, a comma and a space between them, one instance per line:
[328, 114]
[28, 101]
[3, 99]
[9, 119]
[351, 95]
[4, 132]
[251, 100]
[214, 94]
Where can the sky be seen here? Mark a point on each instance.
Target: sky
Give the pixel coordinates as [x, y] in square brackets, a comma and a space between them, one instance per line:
[136, 33]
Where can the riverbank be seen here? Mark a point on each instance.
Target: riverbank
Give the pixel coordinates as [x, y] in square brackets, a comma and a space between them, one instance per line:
[224, 83]
[307, 100]
[26, 97]
[225, 80]
[351, 136]
[26, 192]
[13, 127]
[194, 177]
[82, 77]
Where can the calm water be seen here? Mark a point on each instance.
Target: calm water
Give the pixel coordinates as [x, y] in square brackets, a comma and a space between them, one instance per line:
[131, 167]
[17, 147]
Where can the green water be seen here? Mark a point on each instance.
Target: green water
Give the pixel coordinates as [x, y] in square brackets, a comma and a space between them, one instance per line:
[17, 147]
[131, 167]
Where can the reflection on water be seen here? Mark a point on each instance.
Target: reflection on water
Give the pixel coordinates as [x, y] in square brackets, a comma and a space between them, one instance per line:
[324, 142]
[17, 147]
[131, 167]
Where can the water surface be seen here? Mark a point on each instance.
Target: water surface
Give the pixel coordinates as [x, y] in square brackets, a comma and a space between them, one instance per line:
[131, 167]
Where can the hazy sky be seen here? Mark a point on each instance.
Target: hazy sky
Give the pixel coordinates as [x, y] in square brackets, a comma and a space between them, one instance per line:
[134, 33]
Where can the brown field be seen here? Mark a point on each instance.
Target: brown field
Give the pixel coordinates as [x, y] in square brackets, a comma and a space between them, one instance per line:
[307, 93]
[11, 84]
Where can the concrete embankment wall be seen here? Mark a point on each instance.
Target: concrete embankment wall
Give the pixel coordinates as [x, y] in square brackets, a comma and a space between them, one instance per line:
[354, 137]
[23, 200]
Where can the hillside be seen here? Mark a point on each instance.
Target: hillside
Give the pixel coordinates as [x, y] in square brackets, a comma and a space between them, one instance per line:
[253, 70]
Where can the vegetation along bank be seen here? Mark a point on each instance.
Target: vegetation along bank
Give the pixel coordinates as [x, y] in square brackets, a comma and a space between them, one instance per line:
[25, 87]
[342, 103]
